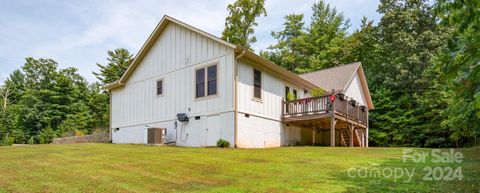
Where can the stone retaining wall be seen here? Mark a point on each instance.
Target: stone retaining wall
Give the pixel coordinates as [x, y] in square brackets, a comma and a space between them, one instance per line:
[95, 138]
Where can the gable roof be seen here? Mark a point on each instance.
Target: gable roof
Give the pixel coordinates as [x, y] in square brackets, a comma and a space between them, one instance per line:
[151, 41]
[332, 78]
[339, 78]
[238, 51]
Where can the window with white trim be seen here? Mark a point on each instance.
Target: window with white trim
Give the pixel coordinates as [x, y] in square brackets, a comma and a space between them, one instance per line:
[206, 81]
[159, 87]
[257, 84]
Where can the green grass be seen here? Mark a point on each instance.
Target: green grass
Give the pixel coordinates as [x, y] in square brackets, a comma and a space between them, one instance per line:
[139, 168]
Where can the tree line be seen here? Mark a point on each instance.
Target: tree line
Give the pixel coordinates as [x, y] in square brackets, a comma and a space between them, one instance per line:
[42, 101]
[421, 61]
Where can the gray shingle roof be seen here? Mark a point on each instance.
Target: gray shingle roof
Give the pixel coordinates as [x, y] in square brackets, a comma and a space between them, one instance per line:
[332, 78]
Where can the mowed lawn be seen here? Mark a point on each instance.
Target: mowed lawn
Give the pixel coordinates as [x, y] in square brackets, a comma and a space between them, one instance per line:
[140, 168]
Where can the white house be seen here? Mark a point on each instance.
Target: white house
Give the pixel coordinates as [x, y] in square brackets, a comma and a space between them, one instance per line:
[229, 92]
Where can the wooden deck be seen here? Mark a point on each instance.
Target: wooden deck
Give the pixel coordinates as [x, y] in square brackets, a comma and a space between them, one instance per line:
[335, 111]
[322, 106]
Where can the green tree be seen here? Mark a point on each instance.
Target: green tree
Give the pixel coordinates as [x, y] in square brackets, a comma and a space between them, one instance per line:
[327, 35]
[118, 62]
[45, 100]
[409, 37]
[239, 25]
[291, 48]
[462, 66]
[363, 46]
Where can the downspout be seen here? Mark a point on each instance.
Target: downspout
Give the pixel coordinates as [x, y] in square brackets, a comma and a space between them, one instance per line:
[235, 86]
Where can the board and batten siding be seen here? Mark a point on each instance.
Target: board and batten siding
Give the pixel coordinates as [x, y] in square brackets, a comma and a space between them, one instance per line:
[263, 127]
[173, 58]
[355, 90]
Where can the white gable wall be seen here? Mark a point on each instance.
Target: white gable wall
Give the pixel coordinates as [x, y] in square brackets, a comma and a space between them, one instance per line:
[173, 58]
[355, 90]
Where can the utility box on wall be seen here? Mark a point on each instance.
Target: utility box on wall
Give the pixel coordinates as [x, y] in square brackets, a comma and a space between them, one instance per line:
[156, 135]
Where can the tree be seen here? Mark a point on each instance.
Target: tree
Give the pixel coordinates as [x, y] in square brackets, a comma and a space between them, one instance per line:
[5, 92]
[48, 102]
[321, 45]
[98, 100]
[291, 48]
[363, 46]
[239, 25]
[409, 37]
[327, 36]
[118, 62]
[462, 66]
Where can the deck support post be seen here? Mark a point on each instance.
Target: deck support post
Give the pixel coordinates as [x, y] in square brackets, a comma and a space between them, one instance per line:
[351, 129]
[332, 120]
[332, 130]
[366, 131]
[313, 134]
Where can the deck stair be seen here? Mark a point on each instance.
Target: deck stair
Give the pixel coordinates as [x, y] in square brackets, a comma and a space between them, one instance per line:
[345, 137]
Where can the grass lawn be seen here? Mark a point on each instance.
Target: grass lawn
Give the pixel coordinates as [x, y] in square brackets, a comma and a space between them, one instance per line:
[140, 168]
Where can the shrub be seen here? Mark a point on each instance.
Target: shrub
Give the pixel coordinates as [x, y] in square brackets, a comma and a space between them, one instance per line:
[31, 140]
[46, 136]
[290, 96]
[317, 92]
[222, 143]
[7, 140]
[19, 136]
[79, 133]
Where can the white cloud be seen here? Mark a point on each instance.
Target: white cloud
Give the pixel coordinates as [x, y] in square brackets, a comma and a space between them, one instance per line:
[80, 33]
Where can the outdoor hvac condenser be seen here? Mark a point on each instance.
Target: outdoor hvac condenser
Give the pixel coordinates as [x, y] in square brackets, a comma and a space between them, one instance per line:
[156, 135]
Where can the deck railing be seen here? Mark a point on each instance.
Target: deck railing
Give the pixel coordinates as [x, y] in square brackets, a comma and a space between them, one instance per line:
[343, 105]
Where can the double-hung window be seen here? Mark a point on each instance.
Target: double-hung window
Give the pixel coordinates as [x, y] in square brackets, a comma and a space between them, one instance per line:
[206, 81]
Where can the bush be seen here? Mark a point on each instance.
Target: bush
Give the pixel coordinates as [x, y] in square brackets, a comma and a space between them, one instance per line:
[79, 133]
[291, 96]
[46, 136]
[317, 92]
[31, 140]
[222, 143]
[19, 136]
[7, 140]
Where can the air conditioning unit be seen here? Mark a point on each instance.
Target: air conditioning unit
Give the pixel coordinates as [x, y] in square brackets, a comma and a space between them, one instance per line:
[156, 135]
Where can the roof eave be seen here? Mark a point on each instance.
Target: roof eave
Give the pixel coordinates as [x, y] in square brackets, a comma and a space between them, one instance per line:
[114, 85]
[154, 36]
[289, 76]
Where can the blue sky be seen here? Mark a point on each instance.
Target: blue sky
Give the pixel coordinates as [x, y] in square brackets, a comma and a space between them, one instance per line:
[79, 33]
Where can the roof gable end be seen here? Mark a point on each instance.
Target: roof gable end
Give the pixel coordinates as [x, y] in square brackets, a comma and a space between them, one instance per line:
[159, 29]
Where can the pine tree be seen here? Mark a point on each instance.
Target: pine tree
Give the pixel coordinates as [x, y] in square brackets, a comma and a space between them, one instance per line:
[291, 48]
[327, 35]
[239, 25]
[118, 62]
